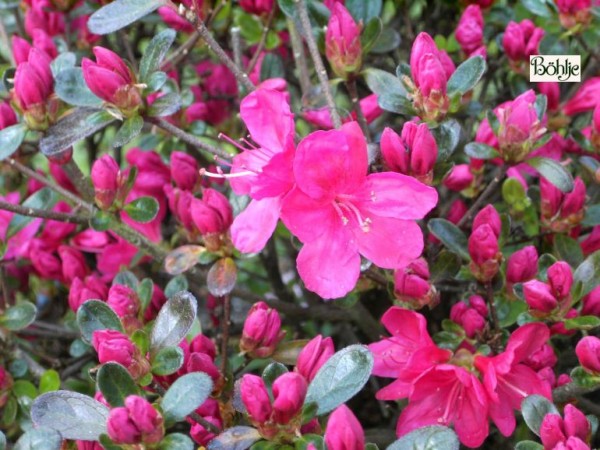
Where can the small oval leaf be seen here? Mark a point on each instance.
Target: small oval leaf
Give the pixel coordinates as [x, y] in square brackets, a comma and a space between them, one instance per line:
[11, 139]
[185, 395]
[235, 438]
[428, 438]
[121, 13]
[534, 408]
[553, 172]
[96, 315]
[173, 322]
[19, 316]
[221, 277]
[115, 383]
[142, 209]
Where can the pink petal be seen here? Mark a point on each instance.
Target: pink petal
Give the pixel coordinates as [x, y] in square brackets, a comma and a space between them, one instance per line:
[252, 228]
[527, 339]
[307, 218]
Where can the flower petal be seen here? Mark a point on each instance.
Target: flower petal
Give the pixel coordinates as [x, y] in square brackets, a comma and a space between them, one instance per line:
[252, 228]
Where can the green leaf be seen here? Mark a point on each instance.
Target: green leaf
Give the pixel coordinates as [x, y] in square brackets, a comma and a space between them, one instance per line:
[592, 216]
[450, 235]
[45, 198]
[71, 88]
[480, 151]
[43, 438]
[568, 249]
[271, 67]
[185, 395]
[173, 322]
[144, 291]
[115, 383]
[466, 76]
[142, 209]
[584, 379]
[79, 124]
[534, 408]
[447, 137]
[96, 315]
[19, 316]
[340, 378]
[445, 266]
[287, 352]
[168, 360]
[73, 415]
[391, 94]
[221, 277]
[388, 40]
[101, 221]
[177, 284]
[11, 139]
[588, 273]
[176, 441]
[537, 7]
[156, 80]
[235, 438]
[493, 121]
[528, 445]
[582, 323]
[121, 13]
[433, 437]
[49, 381]
[165, 105]
[513, 191]
[64, 61]
[131, 128]
[156, 52]
[362, 10]
[553, 172]
[24, 388]
[272, 372]
[126, 278]
[370, 34]
[541, 103]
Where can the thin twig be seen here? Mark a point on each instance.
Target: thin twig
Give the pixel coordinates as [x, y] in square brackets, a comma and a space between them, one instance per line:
[299, 57]
[494, 315]
[4, 298]
[489, 190]
[182, 52]
[80, 181]
[261, 42]
[43, 213]
[225, 334]
[362, 121]
[571, 390]
[318, 62]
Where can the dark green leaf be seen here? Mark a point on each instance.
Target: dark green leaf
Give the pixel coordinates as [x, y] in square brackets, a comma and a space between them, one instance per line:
[582, 323]
[11, 139]
[79, 124]
[272, 372]
[445, 266]
[340, 378]
[131, 128]
[19, 316]
[371, 34]
[450, 235]
[592, 216]
[101, 221]
[388, 40]
[221, 277]
[42, 438]
[493, 121]
[271, 67]
[45, 198]
[362, 10]
[534, 408]
[96, 315]
[480, 151]
[177, 284]
[49, 381]
[126, 278]
[145, 290]
[165, 105]
[528, 445]
[553, 172]
[588, 273]
[235, 438]
[115, 383]
[568, 249]
[168, 360]
[173, 322]
[185, 395]
[391, 94]
[155, 52]
[142, 209]
[71, 88]
[176, 441]
[433, 437]
[156, 80]
[466, 76]
[541, 103]
[73, 415]
[447, 136]
[121, 13]
[537, 7]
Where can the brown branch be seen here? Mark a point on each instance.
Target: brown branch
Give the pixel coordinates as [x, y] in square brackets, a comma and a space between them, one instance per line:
[181, 53]
[570, 391]
[82, 184]
[484, 196]
[299, 58]
[44, 214]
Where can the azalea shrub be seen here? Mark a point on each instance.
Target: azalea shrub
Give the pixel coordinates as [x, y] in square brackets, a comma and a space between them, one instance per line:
[298, 224]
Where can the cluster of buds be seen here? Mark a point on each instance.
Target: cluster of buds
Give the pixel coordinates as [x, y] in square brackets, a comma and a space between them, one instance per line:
[113, 81]
[114, 346]
[412, 286]
[110, 184]
[413, 153]
[522, 266]
[470, 316]
[469, 32]
[574, 13]
[561, 212]
[483, 244]
[520, 41]
[342, 42]
[554, 297]
[430, 69]
[262, 331]
[135, 423]
[572, 432]
[211, 413]
[282, 417]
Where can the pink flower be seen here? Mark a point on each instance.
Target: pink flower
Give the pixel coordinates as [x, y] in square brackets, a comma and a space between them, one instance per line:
[585, 99]
[521, 40]
[411, 284]
[262, 331]
[184, 171]
[136, 422]
[256, 398]
[268, 168]
[289, 391]
[469, 32]
[522, 265]
[344, 431]
[571, 433]
[322, 119]
[539, 296]
[123, 300]
[342, 42]
[591, 303]
[588, 353]
[91, 288]
[313, 356]
[105, 177]
[41, 15]
[508, 381]
[459, 178]
[339, 212]
[73, 263]
[20, 49]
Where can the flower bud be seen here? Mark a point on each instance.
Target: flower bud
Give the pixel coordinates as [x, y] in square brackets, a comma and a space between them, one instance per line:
[105, 176]
[560, 279]
[33, 86]
[459, 178]
[289, 391]
[201, 435]
[184, 171]
[7, 116]
[213, 213]
[73, 263]
[542, 357]
[469, 32]
[257, 7]
[313, 356]
[176, 21]
[256, 398]
[588, 353]
[591, 303]
[484, 251]
[576, 424]
[522, 265]
[6, 384]
[45, 43]
[262, 331]
[489, 216]
[551, 90]
[342, 42]
[20, 49]
[471, 317]
[552, 431]
[123, 300]
[411, 285]
[539, 296]
[344, 431]
[114, 346]
[80, 291]
[135, 423]
[203, 344]
[520, 41]
[573, 13]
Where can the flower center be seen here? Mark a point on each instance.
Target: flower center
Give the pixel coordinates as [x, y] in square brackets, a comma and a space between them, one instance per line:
[345, 208]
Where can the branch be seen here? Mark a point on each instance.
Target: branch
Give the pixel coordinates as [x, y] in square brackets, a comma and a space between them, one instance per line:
[318, 62]
[44, 214]
[488, 192]
[82, 184]
[181, 53]
[569, 391]
[299, 57]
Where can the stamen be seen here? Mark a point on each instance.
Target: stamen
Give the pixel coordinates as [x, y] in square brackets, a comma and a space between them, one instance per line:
[340, 213]
[365, 224]
[231, 141]
[220, 174]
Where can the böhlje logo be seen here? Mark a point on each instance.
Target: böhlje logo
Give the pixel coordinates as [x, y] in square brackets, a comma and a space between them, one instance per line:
[559, 68]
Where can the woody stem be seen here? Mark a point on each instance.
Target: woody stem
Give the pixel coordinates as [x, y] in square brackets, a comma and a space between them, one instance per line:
[362, 121]
[492, 306]
[485, 195]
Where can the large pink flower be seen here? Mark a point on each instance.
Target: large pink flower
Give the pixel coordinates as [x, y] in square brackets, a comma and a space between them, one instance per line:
[263, 173]
[339, 212]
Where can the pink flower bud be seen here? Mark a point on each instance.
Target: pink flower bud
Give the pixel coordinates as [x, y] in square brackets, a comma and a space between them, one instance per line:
[255, 398]
[33, 81]
[73, 263]
[560, 279]
[588, 353]
[7, 116]
[47, 264]
[431, 76]
[483, 244]
[262, 331]
[105, 176]
[521, 40]
[422, 46]
[45, 43]
[203, 344]
[576, 424]
[543, 357]
[20, 48]
[459, 178]
[457, 210]
[201, 435]
[257, 7]
[342, 42]
[123, 300]
[313, 356]
[42, 15]
[574, 201]
[289, 391]
[174, 20]
[489, 216]
[344, 431]
[114, 346]
[212, 213]
[522, 265]
[591, 303]
[395, 155]
[573, 13]
[469, 32]
[92, 288]
[552, 431]
[539, 296]
[471, 317]
[201, 362]
[586, 97]
[136, 422]
[184, 171]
